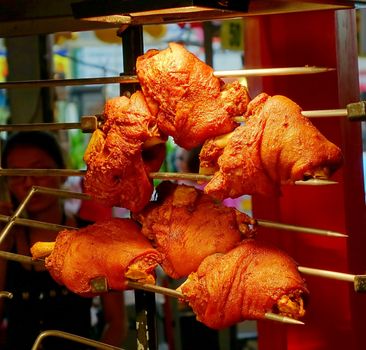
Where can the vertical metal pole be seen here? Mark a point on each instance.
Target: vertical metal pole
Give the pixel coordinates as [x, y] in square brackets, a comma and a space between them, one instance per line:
[145, 320]
[132, 47]
[207, 42]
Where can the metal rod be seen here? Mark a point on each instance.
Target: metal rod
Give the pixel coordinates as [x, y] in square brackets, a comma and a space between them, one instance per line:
[41, 172]
[315, 182]
[180, 176]
[61, 193]
[37, 189]
[24, 259]
[73, 338]
[69, 82]
[87, 124]
[327, 274]
[360, 287]
[283, 319]
[175, 294]
[4, 232]
[359, 281]
[5, 294]
[263, 223]
[90, 123]
[156, 289]
[315, 231]
[271, 71]
[40, 126]
[133, 78]
[153, 175]
[37, 224]
[325, 113]
[340, 276]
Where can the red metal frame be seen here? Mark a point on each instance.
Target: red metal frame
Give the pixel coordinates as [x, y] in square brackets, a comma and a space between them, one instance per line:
[335, 318]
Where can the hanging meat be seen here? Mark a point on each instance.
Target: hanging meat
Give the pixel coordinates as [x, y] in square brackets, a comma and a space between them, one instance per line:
[244, 284]
[276, 145]
[192, 104]
[114, 249]
[187, 225]
[123, 152]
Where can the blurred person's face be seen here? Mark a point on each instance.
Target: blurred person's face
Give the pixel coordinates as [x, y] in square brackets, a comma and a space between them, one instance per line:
[181, 159]
[29, 157]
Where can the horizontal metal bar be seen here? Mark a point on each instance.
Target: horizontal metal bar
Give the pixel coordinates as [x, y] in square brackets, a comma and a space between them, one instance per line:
[87, 124]
[156, 289]
[41, 172]
[295, 228]
[5, 294]
[69, 82]
[325, 113]
[152, 175]
[73, 338]
[37, 224]
[126, 79]
[39, 126]
[327, 274]
[19, 258]
[272, 71]
[176, 294]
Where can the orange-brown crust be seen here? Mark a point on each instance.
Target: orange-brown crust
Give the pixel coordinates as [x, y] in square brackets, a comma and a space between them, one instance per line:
[245, 283]
[193, 104]
[276, 145]
[106, 248]
[186, 225]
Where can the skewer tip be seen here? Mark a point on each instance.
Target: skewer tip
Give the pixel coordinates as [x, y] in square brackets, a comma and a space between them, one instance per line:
[283, 319]
[337, 234]
[316, 182]
[5, 294]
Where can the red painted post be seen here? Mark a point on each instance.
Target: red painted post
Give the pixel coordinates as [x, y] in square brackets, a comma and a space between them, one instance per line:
[336, 314]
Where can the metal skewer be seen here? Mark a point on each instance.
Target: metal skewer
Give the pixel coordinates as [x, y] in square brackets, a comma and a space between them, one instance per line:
[176, 294]
[24, 259]
[153, 175]
[263, 223]
[302, 229]
[41, 172]
[37, 224]
[87, 124]
[37, 189]
[359, 281]
[127, 79]
[354, 111]
[136, 285]
[325, 113]
[72, 337]
[5, 294]
[155, 289]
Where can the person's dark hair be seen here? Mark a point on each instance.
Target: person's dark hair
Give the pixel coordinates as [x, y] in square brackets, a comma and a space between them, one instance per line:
[40, 139]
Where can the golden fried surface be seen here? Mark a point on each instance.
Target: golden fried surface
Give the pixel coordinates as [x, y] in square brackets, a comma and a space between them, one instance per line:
[109, 248]
[186, 226]
[275, 145]
[192, 103]
[245, 283]
[117, 169]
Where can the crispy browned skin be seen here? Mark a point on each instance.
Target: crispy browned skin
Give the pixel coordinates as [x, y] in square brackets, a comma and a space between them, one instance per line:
[276, 145]
[186, 225]
[192, 103]
[118, 166]
[244, 284]
[109, 248]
